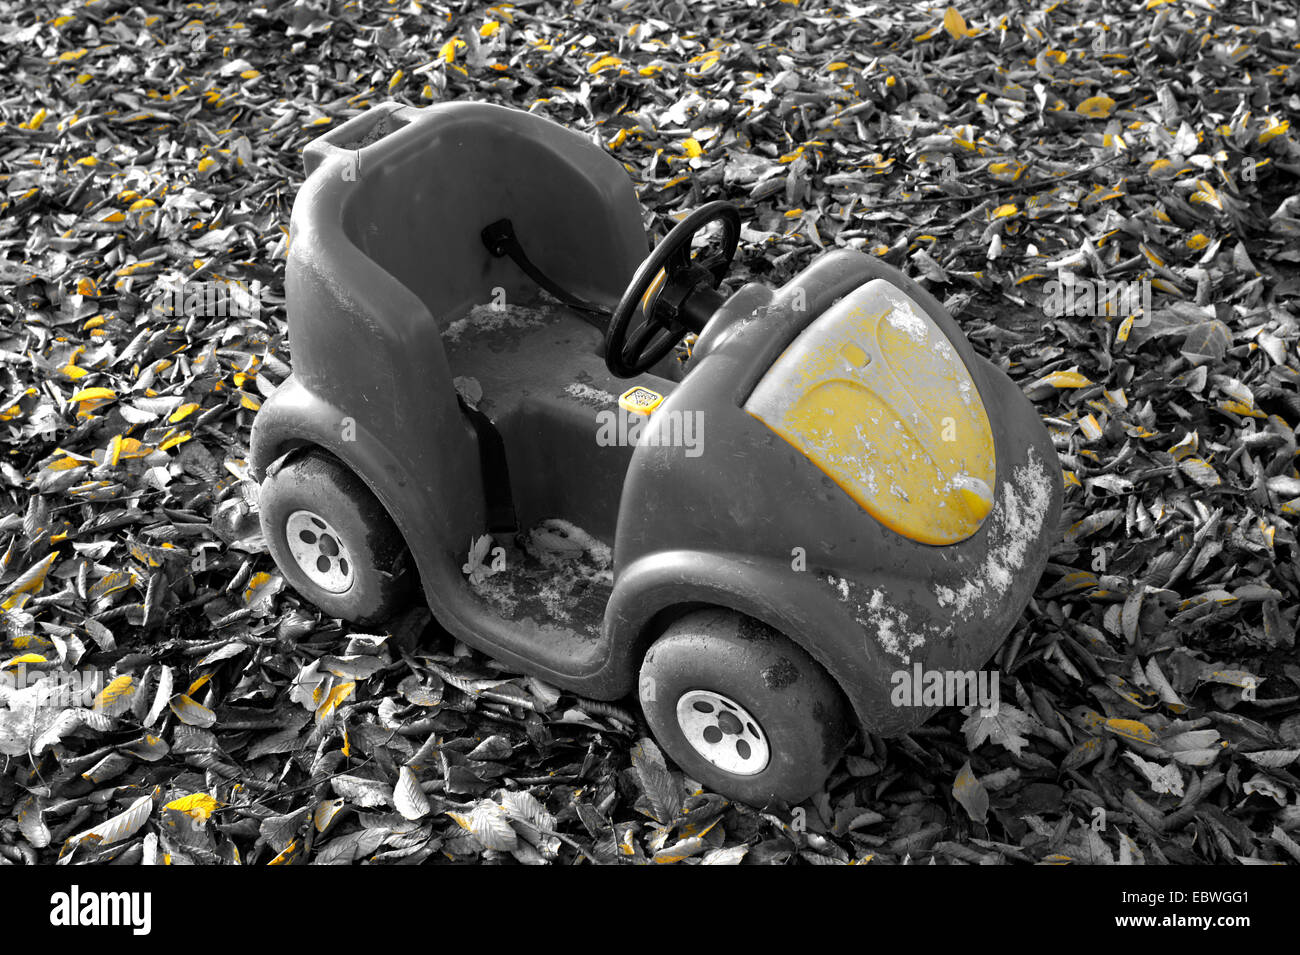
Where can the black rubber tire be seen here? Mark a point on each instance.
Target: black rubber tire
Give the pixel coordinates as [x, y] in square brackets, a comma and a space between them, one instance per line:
[797, 704]
[319, 482]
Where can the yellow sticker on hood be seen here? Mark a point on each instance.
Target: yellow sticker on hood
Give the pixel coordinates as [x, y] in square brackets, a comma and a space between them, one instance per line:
[875, 395]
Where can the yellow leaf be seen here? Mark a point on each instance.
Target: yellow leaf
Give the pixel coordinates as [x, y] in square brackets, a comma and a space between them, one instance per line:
[1098, 107]
[291, 852]
[1006, 171]
[183, 412]
[86, 286]
[1277, 129]
[198, 806]
[676, 853]
[692, 147]
[335, 699]
[198, 684]
[705, 61]
[25, 658]
[1090, 428]
[970, 792]
[137, 266]
[955, 24]
[448, 52]
[122, 826]
[1132, 730]
[1198, 241]
[111, 584]
[1065, 379]
[192, 713]
[1001, 212]
[604, 63]
[33, 579]
[1162, 169]
[1206, 194]
[117, 697]
[206, 163]
[325, 812]
[93, 394]
[255, 585]
[397, 78]
[489, 29]
[1237, 407]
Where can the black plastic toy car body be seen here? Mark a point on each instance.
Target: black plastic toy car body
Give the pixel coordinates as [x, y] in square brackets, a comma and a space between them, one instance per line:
[832, 489]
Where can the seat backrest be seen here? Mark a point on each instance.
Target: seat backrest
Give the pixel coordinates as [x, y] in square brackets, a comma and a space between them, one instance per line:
[425, 192]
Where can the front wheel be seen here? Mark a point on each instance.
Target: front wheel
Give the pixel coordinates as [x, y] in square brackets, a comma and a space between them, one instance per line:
[742, 709]
[333, 540]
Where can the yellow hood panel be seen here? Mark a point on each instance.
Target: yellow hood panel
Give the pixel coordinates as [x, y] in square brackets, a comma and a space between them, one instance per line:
[874, 394]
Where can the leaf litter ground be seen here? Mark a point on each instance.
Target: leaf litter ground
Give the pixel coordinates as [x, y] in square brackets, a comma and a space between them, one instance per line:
[1151, 684]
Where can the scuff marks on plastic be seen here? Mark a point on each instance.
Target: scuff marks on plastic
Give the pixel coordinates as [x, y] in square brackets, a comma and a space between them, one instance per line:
[1013, 528]
[896, 631]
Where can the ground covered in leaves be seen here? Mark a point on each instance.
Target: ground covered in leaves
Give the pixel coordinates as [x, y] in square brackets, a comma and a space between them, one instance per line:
[1151, 693]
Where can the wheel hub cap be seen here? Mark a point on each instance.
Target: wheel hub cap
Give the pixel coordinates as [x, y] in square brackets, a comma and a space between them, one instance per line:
[319, 551]
[723, 732]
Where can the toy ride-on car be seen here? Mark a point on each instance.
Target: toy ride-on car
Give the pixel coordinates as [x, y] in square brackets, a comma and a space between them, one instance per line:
[487, 398]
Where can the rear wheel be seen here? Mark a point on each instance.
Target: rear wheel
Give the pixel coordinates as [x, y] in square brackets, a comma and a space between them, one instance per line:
[333, 540]
[742, 709]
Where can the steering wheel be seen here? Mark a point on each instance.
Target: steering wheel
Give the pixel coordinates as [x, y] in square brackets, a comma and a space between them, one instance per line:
[662, 287]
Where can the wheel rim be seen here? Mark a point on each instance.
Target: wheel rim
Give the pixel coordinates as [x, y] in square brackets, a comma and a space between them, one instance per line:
[723, 732]
[319, 551]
